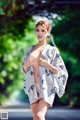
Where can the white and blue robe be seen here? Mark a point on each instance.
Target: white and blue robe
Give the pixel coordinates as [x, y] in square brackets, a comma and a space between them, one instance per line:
[50, 83]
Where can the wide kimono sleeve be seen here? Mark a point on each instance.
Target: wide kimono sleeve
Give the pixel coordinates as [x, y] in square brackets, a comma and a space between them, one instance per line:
[62, 75]
[25, 57]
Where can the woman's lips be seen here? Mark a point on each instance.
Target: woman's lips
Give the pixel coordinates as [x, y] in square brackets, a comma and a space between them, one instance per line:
[39, 36]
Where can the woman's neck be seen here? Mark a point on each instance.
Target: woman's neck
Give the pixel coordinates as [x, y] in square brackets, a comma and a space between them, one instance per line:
[42, 43]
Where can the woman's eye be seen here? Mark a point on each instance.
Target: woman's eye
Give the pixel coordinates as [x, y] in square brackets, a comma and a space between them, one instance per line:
[42, 30]
[37, 30]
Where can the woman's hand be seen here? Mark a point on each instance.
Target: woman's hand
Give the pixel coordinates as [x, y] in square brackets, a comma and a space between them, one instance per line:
[28, 64]
[46, 64]
[42, 62]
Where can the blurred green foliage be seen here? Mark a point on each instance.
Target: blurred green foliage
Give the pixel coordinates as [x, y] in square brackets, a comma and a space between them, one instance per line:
[12, 48]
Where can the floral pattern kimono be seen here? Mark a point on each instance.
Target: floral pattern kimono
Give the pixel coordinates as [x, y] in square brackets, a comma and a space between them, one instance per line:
[50, 83]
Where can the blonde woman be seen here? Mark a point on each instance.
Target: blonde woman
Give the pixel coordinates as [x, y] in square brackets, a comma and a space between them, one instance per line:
[41, 66]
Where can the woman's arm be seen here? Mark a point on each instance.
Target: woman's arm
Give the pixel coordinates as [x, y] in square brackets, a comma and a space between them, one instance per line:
[51, 67]
[25, 58]
[27, 64]
[46, 64]
[24, 69]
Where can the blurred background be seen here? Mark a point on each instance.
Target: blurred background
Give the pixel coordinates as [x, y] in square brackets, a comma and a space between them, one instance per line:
[17, 32]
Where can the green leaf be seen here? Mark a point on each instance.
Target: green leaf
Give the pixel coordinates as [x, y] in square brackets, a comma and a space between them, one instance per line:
[1, 3]
[2, 81]
[1, 11]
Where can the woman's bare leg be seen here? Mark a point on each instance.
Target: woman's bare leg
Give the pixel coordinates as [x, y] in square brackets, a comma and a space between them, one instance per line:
[34, 108]
[42, 108]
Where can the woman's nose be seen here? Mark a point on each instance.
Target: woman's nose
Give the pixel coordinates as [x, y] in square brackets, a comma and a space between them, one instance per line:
[40, 33]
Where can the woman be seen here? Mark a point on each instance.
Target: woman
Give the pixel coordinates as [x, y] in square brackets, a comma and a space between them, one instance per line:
[39, 68]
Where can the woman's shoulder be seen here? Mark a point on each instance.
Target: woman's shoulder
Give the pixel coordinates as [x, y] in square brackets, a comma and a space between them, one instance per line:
[29, 47]
[51, 47]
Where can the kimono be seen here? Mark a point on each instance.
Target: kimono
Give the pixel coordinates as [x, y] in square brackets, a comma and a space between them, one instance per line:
[50, 83]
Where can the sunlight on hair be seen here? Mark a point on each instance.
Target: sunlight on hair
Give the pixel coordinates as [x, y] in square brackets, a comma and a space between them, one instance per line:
[38, 18]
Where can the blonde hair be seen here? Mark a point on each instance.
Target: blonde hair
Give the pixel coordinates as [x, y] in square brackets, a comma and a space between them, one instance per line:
[44, 23]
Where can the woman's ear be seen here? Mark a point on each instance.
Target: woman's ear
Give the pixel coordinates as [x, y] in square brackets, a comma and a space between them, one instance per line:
[48, 34]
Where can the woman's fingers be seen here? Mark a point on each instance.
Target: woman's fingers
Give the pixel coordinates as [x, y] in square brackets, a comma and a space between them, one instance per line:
[31, 61]
[40, 61]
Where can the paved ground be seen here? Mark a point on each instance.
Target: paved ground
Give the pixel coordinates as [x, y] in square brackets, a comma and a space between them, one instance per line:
[21, 111]
[52, 114]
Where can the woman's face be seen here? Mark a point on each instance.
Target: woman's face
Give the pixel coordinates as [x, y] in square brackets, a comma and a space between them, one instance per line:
[41, 32]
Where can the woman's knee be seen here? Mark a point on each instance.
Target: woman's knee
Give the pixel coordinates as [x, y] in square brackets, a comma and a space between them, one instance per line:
[40, 115]
[35, 118]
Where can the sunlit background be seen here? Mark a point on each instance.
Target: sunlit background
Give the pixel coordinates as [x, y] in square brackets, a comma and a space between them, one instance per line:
[17, 32]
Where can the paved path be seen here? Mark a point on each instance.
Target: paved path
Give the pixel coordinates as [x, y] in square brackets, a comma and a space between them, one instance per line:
[52, 114]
